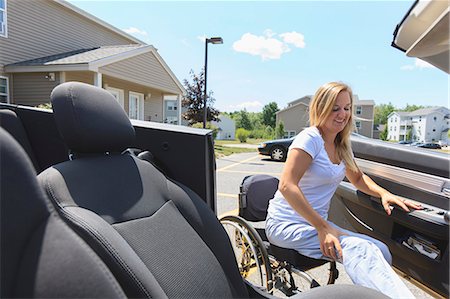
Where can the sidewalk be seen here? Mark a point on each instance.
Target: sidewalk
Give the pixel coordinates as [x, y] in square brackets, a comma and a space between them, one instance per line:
[241, 145]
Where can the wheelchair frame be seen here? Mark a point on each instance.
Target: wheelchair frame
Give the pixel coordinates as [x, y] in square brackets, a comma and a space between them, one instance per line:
[270, 267]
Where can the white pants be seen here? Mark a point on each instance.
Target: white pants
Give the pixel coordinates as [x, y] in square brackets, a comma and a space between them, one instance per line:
[366, 260]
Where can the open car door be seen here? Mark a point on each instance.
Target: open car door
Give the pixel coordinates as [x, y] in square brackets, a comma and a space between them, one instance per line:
[418, 240]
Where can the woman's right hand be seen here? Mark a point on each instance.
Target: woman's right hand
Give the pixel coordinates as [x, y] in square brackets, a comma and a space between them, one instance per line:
[329, 242]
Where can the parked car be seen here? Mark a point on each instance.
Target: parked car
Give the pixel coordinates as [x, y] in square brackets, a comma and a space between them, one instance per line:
[416, 143]
[276, 149]
[430, 145]
[404, 142]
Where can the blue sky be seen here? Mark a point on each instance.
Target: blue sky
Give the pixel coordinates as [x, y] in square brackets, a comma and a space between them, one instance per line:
[281, 51]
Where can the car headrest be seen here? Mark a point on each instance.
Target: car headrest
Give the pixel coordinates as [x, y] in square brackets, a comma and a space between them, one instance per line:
[90, 120]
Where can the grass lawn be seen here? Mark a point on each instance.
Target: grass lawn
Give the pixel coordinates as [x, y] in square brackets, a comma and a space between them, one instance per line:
[221, 150]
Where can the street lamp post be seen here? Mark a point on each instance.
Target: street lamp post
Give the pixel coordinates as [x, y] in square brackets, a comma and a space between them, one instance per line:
[212, 40]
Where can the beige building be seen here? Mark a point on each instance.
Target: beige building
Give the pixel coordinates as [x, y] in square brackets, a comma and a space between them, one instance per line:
[295, 116]
[47, 42]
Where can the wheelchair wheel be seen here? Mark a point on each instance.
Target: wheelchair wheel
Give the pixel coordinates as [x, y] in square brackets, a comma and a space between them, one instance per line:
[250, 251]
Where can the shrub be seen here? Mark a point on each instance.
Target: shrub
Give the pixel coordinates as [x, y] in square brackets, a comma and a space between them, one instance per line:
[47, 106]
[242, 134]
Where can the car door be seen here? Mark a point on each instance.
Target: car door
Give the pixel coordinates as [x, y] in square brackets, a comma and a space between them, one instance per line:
[418, 240]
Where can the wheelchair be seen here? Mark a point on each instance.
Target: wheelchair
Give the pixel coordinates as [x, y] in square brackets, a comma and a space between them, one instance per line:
[275, 269]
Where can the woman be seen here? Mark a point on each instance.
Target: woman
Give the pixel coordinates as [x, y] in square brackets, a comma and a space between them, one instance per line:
[319, 158]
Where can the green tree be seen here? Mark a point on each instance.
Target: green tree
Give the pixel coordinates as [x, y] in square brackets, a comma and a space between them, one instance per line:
[243, 120]
[279, 130]
[193, 100]
[384, 134]
[381, 113]
[269, 132]
[269, 114]
[408, 134]
[410, 108]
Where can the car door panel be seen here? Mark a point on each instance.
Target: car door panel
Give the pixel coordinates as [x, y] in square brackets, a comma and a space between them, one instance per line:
[415, 175]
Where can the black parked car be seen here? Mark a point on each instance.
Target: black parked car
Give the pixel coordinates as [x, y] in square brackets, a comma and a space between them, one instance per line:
[276, 149]
[430, 145]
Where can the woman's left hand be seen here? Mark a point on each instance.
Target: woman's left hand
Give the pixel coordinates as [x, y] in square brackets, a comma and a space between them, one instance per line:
[387, 199]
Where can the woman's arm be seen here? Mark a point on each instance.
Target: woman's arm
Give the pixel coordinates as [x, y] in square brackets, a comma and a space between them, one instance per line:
[297, 163]
[365, 184]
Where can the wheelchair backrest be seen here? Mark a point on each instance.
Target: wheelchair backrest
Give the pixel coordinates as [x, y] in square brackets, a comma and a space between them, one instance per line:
[255, 193]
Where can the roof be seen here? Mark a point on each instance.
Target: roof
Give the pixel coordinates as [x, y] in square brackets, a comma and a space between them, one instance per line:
[424, 111]
[306, 99]
[88, 60]
[364, 103]
[81, 56]
[87, 15]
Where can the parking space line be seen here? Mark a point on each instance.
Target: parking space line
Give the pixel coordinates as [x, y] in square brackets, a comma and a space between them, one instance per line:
[234, 212]
[227, 195]
[238, 163]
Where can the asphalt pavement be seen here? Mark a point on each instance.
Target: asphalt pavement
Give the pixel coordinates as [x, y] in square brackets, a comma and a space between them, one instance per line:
[231, 170]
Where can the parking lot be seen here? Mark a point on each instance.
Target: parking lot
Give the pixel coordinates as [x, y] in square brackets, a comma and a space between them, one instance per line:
[230, 172]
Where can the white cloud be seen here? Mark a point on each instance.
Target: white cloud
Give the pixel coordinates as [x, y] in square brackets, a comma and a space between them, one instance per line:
[202, 38]
[138, 33]
[265, 46]
[135, 31]
[418, 64]
[295, 38]
[250, 106]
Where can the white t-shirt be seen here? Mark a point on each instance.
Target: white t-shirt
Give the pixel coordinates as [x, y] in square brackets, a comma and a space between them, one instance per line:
[318, 183]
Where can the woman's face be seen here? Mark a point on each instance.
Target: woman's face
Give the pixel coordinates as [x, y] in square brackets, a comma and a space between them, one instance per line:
[340, 114]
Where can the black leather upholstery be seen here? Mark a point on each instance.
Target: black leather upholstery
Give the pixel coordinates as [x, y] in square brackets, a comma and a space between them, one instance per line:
[40, 255]
[157, 236]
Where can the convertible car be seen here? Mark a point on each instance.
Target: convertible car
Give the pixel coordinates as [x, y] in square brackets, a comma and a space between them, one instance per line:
[94, 205]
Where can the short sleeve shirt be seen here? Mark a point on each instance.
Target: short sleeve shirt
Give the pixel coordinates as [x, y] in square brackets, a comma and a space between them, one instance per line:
[318, 183]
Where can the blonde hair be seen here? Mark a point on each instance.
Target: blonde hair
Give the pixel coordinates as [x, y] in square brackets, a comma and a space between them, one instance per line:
[319, 110]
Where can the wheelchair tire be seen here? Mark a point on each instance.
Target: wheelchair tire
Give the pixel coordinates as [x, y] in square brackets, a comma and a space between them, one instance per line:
[251, 254]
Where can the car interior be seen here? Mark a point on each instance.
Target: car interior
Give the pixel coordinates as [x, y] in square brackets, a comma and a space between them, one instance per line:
[110, 218]
[94, 205]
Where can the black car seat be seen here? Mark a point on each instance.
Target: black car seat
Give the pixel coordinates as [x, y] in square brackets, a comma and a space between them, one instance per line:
[13, 125]
[40, 255]
[157, 236]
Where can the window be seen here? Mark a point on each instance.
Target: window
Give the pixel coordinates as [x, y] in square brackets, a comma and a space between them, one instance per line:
[171, 106]
[289, 134]
[358, 110]
[3, 89]
[117, 94]
[136, 106]
[435, 118]
[358, 124]
[3, 17]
